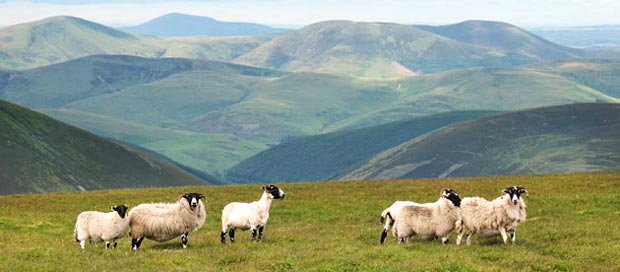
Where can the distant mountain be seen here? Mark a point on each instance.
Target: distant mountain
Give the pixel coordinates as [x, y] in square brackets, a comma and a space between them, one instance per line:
[505, 38]
[177, 24]
[586, 37]
[40, 154]
[325, 156]
[63, 38]
[560, 139]
[390, 50]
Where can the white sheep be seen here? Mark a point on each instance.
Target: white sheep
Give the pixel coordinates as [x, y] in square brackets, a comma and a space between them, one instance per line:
[492, 218]
[428, 220]
[244, 216]
[99, 226]
[164, 221]
[393, 210]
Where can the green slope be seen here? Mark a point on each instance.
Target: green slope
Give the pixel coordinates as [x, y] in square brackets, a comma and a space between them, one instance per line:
[60, 84]
[206, 152]
[560, 139]
[61, 38]
[505, 38]
[325, 156]
[40, 154]
[144, 101]
[602, 75]
[369, 49]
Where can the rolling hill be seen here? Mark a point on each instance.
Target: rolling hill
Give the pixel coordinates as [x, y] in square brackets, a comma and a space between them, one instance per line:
[559, 139]
[40, 154]
[62, 38]
[236, 111]
[177, 24]
[390, 50]
[505, 38]
[325, 156]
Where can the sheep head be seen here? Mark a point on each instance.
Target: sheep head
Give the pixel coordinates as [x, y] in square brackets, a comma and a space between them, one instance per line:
[274, 191]
[193, 199]
[514, 193]
[120, 209]
[451, 195]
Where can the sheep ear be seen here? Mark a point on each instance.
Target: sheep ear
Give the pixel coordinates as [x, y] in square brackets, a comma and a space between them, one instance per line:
[523, 190]
[112, 208]
[265, 187]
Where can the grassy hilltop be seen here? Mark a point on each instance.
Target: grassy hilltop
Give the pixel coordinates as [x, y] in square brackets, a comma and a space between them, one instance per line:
[573, 225]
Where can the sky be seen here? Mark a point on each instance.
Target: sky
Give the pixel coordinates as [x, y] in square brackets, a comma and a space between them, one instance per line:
[524, 13]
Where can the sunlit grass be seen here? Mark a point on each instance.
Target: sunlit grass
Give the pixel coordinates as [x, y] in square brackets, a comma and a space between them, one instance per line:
[573, 225]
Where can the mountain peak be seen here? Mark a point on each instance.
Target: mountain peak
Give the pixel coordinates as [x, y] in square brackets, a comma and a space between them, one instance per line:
[179, 24]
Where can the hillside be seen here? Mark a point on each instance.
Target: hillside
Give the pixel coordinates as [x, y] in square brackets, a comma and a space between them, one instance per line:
[505, 38]
[572, 225]
[560, 139]
[60, 84]
[40, 154]
[177, 24]
[389, 50]
[62, 38]
[239, 110]
[325, 156]
[367, 49]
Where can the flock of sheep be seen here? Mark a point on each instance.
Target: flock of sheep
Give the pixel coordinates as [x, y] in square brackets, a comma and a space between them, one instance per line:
[164, 221]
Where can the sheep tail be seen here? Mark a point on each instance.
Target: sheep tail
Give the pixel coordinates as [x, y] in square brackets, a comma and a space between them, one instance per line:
[75, 235]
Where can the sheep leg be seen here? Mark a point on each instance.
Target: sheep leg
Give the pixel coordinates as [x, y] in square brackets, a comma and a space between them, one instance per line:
[502, 231]
[513, 235]
[445, 240]
[384, 235]
[254, 234]
[82, 244]
[223, 237]
[469, 238]
[185, 239]
[261, 230]
[135, 243]
[459, 238]
[115, 243]
[107, 244]
[231, 234]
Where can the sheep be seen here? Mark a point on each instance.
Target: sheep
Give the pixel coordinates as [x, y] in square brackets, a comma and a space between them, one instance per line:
[164, 221]
[428, 220]
[393, 210]
[99, 226]
[492, 218]
[244, 216]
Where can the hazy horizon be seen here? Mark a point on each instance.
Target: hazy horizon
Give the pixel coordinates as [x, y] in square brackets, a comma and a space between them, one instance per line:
[524, 13]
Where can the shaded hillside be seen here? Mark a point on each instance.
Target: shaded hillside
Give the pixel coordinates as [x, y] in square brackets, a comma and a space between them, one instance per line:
[177, 24]
[370, 49]
[235, 111]
[505, 38]
[560, 139]
[602, 75]
[326, 156]
[62, 38]
[60, 84]
[40, 154]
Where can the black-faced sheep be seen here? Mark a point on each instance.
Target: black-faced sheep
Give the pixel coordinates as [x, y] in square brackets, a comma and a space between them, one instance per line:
[100, 226]
[428, 220]
[492, 218]
[164, 221]
[244, 216]
[393, 210]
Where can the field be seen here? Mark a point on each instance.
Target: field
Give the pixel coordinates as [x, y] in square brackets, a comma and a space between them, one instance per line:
[573, 225]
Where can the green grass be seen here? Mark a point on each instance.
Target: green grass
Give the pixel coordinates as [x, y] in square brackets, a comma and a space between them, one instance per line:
[573, 225]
